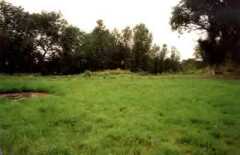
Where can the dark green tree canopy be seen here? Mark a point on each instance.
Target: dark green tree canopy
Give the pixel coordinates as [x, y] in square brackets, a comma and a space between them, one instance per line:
[204, 14]
[142, 40]
[219, 19]
[45, 43]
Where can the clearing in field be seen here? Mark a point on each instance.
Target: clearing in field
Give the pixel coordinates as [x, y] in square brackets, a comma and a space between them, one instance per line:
[120, 114]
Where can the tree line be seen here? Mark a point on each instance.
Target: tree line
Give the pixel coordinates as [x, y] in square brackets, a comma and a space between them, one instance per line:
[45, 43]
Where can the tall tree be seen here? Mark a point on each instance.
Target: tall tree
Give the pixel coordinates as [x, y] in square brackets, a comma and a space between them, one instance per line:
[72, 41]
[154, 59]
[162, 56]
[48, 27]
[16, 39]
[101, 44]
[142, 45]
[219, 19]
[174, 60]
[127, 39]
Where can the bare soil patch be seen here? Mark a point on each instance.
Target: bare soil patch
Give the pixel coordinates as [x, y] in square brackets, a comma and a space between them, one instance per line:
[22, 95]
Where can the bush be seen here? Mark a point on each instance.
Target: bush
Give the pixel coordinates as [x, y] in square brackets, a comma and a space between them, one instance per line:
[87, 74]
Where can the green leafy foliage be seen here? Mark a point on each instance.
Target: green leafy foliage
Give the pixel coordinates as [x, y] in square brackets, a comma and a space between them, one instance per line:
[219, 20]
[45, 43]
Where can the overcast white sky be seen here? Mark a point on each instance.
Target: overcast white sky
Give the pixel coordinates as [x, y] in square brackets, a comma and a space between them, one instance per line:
[119, 14]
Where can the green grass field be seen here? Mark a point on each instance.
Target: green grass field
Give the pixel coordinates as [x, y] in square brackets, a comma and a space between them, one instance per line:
[124, 114]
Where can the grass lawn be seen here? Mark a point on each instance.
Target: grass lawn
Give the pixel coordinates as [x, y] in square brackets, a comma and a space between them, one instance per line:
[123, 114]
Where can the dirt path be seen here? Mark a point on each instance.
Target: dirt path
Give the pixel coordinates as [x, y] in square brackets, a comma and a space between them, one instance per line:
[22, 95]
